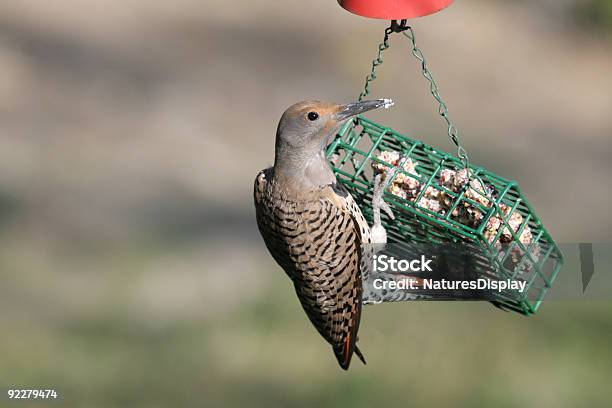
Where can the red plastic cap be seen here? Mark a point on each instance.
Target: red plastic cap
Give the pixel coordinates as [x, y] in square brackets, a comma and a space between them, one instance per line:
[394, 9]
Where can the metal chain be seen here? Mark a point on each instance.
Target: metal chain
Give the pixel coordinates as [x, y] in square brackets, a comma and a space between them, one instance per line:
[375, 63]
[453, 132]
[407, 31]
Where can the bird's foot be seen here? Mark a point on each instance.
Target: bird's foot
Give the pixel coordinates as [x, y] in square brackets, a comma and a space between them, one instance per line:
[380, 185]
[371, 298]
[379, 234]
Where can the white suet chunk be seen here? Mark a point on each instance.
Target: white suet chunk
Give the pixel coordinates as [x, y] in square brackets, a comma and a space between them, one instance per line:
[406, 185]
[388, 103]
[379, 234]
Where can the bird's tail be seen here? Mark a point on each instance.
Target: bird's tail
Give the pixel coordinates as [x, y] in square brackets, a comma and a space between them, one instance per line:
[360, 355]
[344, 359]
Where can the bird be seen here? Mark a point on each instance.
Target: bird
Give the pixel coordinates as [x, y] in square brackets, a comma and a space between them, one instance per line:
[313, 227]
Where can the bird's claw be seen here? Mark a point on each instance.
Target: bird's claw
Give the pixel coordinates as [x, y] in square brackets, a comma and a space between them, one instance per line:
[380, 185]
[385, 207]
[379, 234]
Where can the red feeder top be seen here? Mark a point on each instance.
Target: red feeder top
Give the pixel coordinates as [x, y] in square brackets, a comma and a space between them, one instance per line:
[394, 9]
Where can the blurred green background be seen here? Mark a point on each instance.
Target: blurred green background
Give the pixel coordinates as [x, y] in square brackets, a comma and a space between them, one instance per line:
[131, 271]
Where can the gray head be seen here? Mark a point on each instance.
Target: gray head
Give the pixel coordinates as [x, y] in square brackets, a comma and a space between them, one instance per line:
[304, 131]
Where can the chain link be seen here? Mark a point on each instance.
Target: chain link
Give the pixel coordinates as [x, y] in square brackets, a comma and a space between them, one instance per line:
[407, 31]
[375, 63]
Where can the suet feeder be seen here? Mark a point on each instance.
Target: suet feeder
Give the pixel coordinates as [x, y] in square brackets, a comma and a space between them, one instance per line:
[486, 212]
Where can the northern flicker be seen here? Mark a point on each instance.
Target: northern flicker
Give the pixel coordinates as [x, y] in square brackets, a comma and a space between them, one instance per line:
[312, 226]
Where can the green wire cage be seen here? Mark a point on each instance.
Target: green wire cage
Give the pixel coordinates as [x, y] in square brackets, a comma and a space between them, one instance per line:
[355, 150]
[518, 248]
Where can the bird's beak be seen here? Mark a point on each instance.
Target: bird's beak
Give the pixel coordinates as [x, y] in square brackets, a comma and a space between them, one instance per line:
[351, 109]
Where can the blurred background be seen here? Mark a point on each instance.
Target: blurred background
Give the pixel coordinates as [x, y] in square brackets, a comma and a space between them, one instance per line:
[131, 270]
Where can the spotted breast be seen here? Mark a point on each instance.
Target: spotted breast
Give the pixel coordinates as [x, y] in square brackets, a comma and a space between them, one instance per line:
[317, 239]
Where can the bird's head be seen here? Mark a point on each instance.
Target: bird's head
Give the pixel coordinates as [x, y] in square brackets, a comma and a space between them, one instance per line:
[308, 127]
[304, 131]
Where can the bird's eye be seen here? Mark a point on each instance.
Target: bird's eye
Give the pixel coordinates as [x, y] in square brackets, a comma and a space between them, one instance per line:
[313, 116]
